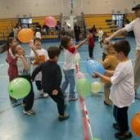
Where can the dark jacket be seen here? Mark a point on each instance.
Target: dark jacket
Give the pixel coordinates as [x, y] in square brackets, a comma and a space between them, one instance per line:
[51, 76]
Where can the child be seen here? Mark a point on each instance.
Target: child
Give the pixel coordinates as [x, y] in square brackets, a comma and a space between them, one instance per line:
[42, 57]
[68, 67]
[51, 80]
[100, 35]
[23, 64]
[91, 42]
[122, 89]
[104, 46]
[109, 63]
[38, 33]
[11, 60]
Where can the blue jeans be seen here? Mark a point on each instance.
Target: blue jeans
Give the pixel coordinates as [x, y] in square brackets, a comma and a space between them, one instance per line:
[69, 79]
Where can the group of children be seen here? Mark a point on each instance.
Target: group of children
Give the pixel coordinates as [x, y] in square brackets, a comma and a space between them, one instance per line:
[46, 74]
[119, 77]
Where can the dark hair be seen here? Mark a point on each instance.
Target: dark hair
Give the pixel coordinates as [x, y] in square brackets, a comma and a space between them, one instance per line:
[37, 39]
[64, 42]
[122, 46]
[7, 45]
[90, 31]
[53, 51]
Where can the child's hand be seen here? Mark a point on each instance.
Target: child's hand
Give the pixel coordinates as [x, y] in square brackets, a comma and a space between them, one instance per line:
[19, 56]
[107, 40]
[31, 44]
[96, 75]
[55, 92]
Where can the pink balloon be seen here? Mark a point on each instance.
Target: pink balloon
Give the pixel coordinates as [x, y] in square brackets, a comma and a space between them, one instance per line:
[80, 75]
[50, 21]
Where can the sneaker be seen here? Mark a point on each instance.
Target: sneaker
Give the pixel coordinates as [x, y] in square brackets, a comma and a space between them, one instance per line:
[116, 126]
[29, 113]
[32, 112]
[73, 98]
[63, 118]
[123, 136]
[45, 95]
[107, 104]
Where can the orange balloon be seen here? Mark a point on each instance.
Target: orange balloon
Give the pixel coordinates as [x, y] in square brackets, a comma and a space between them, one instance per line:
[136, 124]
[25, 35]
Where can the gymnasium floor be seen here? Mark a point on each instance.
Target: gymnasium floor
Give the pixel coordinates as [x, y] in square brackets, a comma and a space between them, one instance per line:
[44, 125]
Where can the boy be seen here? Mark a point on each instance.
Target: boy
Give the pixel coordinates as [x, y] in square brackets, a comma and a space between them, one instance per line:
[42, 57]
[122, 90]
[51, 80]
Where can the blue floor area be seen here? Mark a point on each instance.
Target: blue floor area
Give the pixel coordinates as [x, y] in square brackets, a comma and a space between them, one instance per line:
[45, 125]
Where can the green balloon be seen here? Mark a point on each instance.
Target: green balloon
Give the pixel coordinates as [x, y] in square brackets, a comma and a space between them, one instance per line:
[19, 88]
[83, 87]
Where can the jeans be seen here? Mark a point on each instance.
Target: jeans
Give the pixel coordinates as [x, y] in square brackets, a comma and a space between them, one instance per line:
[121, 117]
[69, 80]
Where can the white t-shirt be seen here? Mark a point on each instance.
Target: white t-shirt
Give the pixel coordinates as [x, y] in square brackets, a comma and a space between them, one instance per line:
[20, 66]
[100, 33]
[38, 35]
[69, 55]
[122, 89]
[135, 27]
[42, 53]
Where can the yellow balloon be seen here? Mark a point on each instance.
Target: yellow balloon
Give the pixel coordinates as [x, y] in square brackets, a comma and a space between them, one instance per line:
[96, 87]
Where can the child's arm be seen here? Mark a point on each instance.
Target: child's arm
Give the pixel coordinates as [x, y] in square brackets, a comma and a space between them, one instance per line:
[107, 79]
[80, 44]
[109, 72]
[36, 71]
[33, 48]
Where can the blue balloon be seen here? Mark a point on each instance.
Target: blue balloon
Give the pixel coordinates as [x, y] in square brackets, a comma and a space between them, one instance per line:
[94, 66]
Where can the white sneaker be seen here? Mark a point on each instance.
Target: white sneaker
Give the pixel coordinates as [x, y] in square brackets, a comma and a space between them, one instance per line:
[45, 95]
[29, 113]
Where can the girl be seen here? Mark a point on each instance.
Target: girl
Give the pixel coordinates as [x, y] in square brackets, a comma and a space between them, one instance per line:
[23, 65]
[11, 60]
[68, 67]
[42, 57]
